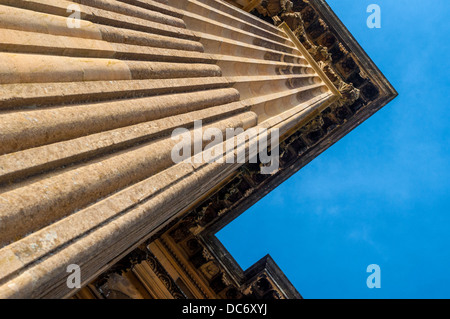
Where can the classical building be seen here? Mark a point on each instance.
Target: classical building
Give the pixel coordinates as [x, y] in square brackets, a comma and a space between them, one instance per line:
[91, 91]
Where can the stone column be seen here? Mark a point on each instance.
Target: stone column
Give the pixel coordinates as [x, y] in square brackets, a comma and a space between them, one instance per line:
[87, 113]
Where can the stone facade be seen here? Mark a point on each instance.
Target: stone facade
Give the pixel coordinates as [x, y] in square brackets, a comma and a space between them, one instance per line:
[86, 116]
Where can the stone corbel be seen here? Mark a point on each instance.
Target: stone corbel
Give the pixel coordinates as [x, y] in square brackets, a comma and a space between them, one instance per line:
[319, 53]
[349, 93]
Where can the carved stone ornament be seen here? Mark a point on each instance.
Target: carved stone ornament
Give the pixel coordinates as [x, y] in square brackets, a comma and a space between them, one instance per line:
[283, 11]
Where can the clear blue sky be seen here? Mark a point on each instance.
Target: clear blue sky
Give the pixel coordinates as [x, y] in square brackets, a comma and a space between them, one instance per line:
[381, 195]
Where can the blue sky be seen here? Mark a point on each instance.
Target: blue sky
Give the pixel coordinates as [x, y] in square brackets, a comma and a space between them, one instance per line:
[381, 195]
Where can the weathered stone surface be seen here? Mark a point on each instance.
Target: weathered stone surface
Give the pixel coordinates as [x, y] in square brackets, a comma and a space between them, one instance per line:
[86, 116]
[189, 243]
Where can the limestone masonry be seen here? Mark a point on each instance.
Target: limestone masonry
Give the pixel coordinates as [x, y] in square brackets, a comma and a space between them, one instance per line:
[86, 117]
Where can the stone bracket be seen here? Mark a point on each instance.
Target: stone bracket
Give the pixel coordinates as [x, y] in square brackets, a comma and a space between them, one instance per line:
[283, 26]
